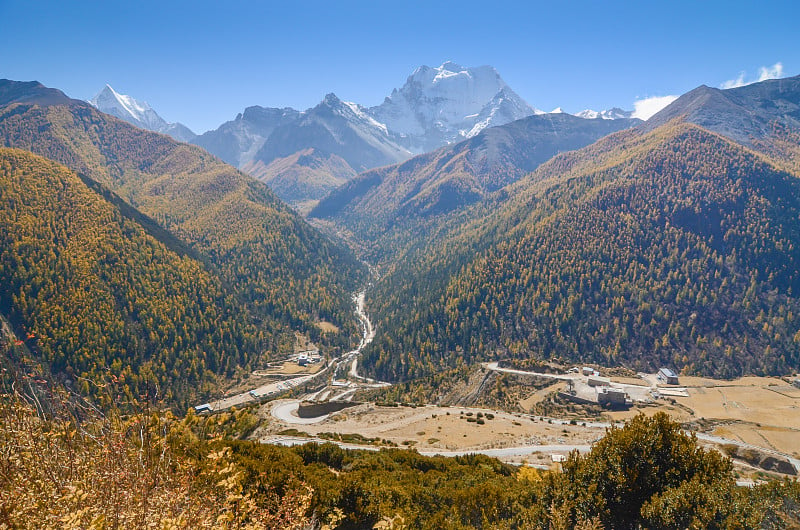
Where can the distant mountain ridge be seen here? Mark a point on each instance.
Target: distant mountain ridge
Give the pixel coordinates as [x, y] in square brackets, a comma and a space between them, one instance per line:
[138, 113]
[31, 93]
[336, 127]
[614, 113]
[237, 141]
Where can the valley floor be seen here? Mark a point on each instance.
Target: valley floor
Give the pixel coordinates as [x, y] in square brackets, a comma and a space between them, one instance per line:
[751, 413]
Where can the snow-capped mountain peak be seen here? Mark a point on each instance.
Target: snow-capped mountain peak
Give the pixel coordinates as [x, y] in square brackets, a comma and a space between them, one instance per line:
[138, 113]
[127, 108]
[446, 104]
[614, 113]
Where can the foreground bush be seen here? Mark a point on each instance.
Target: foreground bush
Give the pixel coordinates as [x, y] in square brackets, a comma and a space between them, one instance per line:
[103, 472]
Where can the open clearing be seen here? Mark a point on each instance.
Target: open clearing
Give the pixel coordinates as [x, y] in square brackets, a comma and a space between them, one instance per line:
[766, 405]
[783, 440]
[444, 428]
[761, 412]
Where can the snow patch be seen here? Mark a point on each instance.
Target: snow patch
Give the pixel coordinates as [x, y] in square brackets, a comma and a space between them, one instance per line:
[359, 112]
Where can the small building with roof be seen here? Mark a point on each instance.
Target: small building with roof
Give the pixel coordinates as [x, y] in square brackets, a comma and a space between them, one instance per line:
[667, 376]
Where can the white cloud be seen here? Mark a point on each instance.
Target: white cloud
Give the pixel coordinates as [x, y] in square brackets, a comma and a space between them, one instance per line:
[644, 108]
[770, 72]
[765, 72]
[734, 83]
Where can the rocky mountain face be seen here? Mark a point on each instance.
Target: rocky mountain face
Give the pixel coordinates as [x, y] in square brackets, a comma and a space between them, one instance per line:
[447, 104]
[336, 140]
[744, 114]
[138, 113]
[237, 141]
[614, 113]
[335, 127]
[435, 107]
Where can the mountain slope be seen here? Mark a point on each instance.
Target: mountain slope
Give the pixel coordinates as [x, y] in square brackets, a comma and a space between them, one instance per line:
[379, 203]
[302, 178]
[31, 93]
[285, 270]
[443, 105]
[100, 298]
[236, 142]
[138, 113]
[745, 114]
[335, 127]
[675, 247]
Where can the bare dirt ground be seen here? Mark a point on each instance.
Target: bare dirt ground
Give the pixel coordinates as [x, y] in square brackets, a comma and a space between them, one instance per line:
[327, 327]
[540, 395]
[763, 412]
[444, 428]
[783, 440]
[628, 380]
[677, 413]
[277, 373]
[292, 368]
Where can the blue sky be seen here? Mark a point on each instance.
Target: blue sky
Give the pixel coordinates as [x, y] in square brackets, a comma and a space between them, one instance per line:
[201, 62]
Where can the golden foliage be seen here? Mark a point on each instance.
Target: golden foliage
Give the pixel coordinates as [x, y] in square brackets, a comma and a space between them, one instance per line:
[106, 473]
[674, 248]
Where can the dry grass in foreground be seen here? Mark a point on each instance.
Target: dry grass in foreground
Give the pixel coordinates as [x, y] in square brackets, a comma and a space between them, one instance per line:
[105, 472]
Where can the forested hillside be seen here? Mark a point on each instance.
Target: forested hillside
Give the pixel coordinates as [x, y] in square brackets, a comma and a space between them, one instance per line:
[675, 247]
[104, 302]
[285, 271]
[391, 207]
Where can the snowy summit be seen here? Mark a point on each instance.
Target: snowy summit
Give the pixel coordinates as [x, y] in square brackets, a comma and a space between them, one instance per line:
[438, 106]
[138, 113]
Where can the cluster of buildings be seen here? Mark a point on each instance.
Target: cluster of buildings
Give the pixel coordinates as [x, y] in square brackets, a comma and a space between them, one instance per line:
[304, 358]
[598, 390]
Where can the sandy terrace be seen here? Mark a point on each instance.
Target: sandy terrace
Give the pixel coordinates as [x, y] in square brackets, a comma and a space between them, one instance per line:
[447, 428]
[637, 381]
[783, 440]
[690, 381]
[772, 405]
